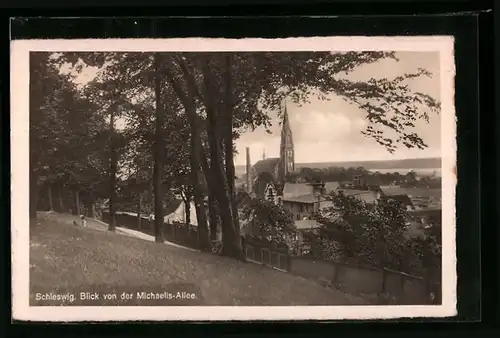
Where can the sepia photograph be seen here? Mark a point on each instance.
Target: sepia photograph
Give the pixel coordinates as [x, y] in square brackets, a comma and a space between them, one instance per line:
[219, 179]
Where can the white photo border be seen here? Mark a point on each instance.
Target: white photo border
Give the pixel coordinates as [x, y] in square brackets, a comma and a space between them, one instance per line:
[20, 51]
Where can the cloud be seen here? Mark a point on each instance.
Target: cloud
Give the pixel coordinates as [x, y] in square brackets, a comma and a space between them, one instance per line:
[318, 126]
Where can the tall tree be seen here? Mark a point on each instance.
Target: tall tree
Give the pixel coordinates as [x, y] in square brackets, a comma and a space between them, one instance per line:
[158, 150]
[231, 244]
[113, 164]
[65, 131]
[188, 99]
[229, 149]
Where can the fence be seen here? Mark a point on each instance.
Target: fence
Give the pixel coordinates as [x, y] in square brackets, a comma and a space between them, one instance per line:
[407, 289]
[176, 233]
[266, 254]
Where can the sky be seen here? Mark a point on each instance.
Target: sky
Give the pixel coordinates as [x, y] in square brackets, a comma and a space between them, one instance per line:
[330, 131]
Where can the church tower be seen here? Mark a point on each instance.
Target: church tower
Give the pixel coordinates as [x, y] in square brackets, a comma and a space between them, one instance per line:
[287, 155]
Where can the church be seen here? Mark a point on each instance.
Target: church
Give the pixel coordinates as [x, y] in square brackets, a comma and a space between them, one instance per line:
[269, 175]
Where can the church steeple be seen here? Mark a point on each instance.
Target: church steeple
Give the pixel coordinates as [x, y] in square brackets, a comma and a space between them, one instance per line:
[287, 153]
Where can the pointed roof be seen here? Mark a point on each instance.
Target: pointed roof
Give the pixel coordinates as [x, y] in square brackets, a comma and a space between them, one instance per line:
[285, 114]
[286, 126]
[286, 121]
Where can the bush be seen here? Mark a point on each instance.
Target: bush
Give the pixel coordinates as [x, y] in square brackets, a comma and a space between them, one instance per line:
[266, 220]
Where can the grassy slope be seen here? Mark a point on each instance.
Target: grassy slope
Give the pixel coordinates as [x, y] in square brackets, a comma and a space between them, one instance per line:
[64, 258]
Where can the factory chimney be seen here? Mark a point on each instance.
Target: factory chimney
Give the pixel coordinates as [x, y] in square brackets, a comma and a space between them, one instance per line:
[249, 172]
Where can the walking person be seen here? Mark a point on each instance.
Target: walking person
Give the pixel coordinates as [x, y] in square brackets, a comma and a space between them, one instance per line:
[83, 221]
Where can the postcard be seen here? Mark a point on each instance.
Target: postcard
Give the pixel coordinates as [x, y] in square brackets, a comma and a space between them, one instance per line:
[207, 179]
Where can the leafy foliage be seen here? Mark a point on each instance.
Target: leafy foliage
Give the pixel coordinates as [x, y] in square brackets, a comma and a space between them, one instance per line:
[373, 234]
[368, 233]
[267, 220]
[67, 131]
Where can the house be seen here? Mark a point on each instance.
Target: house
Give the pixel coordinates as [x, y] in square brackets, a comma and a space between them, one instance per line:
[291, 190]
[303, 206]
[303, 226]
[307, 224]
[301, 199]
[421, 198]
[179, 214]
[304, 199]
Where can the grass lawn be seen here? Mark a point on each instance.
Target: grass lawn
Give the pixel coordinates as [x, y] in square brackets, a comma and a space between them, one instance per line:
[69, 259]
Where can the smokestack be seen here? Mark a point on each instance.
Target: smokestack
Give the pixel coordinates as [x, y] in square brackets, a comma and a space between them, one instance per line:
[249, 172]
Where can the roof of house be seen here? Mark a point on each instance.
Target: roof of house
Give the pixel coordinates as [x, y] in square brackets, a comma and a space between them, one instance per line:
[266, 165]
[368, 196]
[291, 190]
[309, 198]
[411, 192]
[305, 224]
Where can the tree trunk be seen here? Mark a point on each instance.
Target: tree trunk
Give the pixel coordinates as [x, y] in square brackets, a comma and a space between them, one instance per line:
[212, 214]
[77, 201]
[61, 204]
[231, 243]
[188, 100]
[49, 192]
[212, 200]
[89, 206]
[112, 171]
[34, 190]
[199, 203]
[158, 153]
[228, 142]
[139, 212]
[195, 163]
[187, 212]
[92, 210]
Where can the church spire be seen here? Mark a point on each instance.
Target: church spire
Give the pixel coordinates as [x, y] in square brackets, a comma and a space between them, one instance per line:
[285, 113]
[287, 153]
[263, 153]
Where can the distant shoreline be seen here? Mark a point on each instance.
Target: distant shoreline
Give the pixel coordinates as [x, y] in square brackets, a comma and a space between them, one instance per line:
[403, 164]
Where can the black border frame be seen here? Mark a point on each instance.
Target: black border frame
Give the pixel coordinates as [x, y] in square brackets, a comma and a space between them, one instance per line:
[465, 28]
